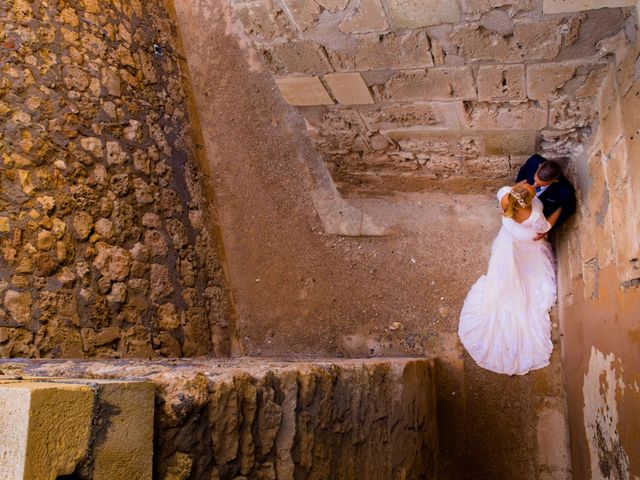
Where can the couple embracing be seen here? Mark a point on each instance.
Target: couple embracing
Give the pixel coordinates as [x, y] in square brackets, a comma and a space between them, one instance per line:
[504, 323]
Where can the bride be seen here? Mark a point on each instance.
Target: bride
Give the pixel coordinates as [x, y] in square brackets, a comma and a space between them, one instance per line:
[504, 323]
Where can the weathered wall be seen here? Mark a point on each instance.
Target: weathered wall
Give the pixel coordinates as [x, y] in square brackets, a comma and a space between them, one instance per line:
[372, 419]
[104, 228]
[600, 283]
[449, 95]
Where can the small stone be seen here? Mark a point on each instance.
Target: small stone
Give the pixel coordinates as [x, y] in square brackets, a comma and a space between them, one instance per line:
[45, 240]
[46, 202]
[82, 225]
[139, 252]
[115, 155]
[104, 228]
[168, 318]
[443, 311]
[395, 326]
[19, 305]
[160, 282]
[4, 225]
[92, 145]
[118, 293]
[154, 240]
[120, 184]
[44, 264]
[58, 228]
[113, 262]
[151, 220]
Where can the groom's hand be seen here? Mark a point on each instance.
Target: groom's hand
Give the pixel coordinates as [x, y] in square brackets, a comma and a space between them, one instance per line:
[540, 236]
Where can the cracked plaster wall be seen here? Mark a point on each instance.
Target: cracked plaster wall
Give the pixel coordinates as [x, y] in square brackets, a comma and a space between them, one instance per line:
[599, 282]
[104, 228]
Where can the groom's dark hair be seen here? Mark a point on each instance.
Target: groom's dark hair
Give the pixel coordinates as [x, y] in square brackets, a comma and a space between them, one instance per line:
[549, 171]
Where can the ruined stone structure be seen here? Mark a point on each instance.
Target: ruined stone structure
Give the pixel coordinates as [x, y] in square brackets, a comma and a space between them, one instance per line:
[203, 179]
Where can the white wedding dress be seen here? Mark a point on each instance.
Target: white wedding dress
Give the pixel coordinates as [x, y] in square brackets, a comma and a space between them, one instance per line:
[504, 323]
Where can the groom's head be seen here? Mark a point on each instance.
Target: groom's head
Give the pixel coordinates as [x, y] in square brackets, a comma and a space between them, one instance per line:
[547, 173]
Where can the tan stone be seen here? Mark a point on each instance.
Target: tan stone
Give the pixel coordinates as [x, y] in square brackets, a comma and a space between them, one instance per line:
[539, 38]
[299, 56]
[126, 450]
[45, 429]
[416, 114]
[477, 7]
[368, 17]
[5, 225]
[452, 83]
[348, 88]
[510, 143]
[565, 6]
[422, 13]
[19, 306]
[263, 19]
[383, 52]
[610, 127]
[545, 78]
[436, 142]
[304, 13]
[304, 91]
[501, 82]
[482, 166]
[506, 115]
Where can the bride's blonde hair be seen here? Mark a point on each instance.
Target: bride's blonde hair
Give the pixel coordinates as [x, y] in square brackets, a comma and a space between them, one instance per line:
[520, 197]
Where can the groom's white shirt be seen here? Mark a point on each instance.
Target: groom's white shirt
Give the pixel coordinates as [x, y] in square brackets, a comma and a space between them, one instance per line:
[539, 190]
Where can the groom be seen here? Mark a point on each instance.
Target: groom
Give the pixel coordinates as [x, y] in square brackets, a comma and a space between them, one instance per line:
[554, 190]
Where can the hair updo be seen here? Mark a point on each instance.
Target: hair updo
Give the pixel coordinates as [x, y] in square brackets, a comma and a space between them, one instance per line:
[519, 198]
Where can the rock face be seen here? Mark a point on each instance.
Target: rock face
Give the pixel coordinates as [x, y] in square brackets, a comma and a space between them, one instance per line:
[351, 419]
[99, 187]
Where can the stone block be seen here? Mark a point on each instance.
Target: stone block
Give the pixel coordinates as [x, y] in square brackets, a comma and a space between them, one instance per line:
[505, 115]
[510, 143]
[383, 52]
[475, 8]
[126, 447]
[368, 17]
[303, 91]
[538, 39]
[304, 13]
[631, 121]
[264, 20]
[565, 6]
[501, 82]
[299, 56]
[348, 88]
[571, 113]
[44, 429]
[417, 114]
[449, 83]
[487, 166]
[422, 13]
[545, 78]
[436, 142]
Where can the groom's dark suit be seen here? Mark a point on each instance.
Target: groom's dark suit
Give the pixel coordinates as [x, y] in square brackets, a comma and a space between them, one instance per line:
[559, 194]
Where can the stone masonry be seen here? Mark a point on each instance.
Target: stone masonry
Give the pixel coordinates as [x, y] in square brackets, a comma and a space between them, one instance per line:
[104, 227]
[261, 419]
[438, 94]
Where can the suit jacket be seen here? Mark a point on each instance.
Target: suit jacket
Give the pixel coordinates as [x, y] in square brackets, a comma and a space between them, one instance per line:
[559, 194]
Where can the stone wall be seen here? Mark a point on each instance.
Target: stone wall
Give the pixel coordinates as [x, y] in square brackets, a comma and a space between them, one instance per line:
[349, 419]
[104, 229]
[599, 278]
[448, 95]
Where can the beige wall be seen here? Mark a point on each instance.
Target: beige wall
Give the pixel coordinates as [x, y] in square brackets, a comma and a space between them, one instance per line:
[600, 286]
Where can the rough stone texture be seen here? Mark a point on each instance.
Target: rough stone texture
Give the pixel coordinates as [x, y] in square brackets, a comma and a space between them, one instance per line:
[502, 82]
[264, 419]
[563, 6]
[95, 138]
[415, 13]
[45, 429]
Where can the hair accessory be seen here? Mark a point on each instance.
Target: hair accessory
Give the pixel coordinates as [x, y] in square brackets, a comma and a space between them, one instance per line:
[519, 199]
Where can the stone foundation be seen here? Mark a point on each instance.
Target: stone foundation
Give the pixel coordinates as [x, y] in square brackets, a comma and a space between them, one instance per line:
[264, 419]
